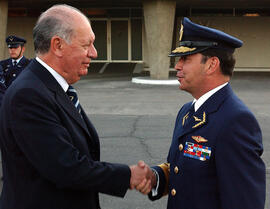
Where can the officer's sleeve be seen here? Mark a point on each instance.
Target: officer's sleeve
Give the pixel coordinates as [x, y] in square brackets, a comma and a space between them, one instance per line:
[163, 175]
[163, 170]
[240, 169]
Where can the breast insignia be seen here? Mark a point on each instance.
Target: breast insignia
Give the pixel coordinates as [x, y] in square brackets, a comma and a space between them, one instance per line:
[199, 139]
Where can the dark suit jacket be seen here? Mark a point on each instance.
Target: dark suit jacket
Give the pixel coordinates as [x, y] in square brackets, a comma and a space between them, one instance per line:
[233, 175]
[50, 153]
[12, 72]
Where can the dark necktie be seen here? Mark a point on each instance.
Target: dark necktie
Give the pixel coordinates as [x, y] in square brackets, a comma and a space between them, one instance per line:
[191, 112]
[71, 92]
[14, 63]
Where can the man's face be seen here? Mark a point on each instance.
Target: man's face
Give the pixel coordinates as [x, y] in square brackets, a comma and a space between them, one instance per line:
[78, 54]
[17, 52]
[191, 73]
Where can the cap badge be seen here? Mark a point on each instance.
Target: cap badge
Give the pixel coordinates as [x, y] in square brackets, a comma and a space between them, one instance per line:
[181, 32]
[199, 139]
[182, 49]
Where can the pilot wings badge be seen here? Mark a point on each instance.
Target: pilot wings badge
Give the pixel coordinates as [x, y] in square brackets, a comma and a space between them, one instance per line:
[199, 139]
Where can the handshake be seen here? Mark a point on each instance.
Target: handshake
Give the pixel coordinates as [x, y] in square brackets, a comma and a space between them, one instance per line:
[142, 178]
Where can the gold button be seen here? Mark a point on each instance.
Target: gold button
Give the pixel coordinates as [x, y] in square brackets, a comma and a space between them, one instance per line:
[173, 192]
[176, 169]
[181, 147]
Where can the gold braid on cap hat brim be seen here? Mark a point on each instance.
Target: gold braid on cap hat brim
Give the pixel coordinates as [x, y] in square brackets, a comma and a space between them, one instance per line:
[183, 49]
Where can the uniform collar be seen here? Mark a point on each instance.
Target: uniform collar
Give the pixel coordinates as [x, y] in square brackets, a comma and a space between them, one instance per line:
[17, 60]
[203, 98]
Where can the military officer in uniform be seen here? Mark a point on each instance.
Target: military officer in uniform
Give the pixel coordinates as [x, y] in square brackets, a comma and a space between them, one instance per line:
[214, 161]
[17, 62]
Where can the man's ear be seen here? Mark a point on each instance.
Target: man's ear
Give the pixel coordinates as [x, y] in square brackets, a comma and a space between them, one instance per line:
[213, 65]
[23, 49]
[57, 44]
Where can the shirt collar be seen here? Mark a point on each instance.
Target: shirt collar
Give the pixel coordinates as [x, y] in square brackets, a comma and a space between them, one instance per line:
[203, 98]
[17, 60]
[62, 82]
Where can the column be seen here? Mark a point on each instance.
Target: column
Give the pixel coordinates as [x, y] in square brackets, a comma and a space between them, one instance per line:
[3, 23]
[159, 18]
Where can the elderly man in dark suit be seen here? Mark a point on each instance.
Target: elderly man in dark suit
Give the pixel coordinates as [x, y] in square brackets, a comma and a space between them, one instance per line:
[50, 149]
[14, 65]
[214, 160]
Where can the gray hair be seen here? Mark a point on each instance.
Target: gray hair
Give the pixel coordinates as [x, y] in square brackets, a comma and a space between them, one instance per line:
[56, 21]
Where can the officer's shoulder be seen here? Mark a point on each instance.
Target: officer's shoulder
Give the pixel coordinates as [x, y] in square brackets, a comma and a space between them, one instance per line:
[4, 62]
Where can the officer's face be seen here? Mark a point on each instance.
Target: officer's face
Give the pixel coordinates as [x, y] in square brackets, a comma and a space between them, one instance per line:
[78, 54]
[17, 52]
[191, 73]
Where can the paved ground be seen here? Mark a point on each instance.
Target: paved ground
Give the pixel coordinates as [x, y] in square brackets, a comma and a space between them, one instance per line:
[135, 121]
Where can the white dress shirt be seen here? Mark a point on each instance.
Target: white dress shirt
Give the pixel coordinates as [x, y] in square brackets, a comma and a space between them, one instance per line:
[62, 82]
[17, 60]
[206, 96]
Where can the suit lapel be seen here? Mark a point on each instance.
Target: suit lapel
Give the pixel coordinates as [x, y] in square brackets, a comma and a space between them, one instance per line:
[211, 105]
[66, 103]
[60, 96]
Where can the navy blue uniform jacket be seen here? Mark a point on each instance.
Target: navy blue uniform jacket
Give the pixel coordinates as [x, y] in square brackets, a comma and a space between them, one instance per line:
[12, 72]
[50, 153]
[214, 160]
[2, 85]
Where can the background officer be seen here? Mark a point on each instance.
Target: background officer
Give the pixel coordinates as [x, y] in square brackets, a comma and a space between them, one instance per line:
[13, 66]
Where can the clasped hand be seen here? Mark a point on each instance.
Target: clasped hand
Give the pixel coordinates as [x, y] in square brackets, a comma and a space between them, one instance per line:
[142, 178]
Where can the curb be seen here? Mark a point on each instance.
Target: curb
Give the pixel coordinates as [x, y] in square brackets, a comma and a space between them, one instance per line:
[148, 80]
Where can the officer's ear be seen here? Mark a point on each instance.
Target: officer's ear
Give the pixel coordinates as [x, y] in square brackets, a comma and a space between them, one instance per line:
[23, 48]
[57, 46]
[212, 65]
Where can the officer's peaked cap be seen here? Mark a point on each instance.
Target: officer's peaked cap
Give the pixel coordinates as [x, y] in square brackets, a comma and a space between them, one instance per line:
[195, 38]
[15, 41]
